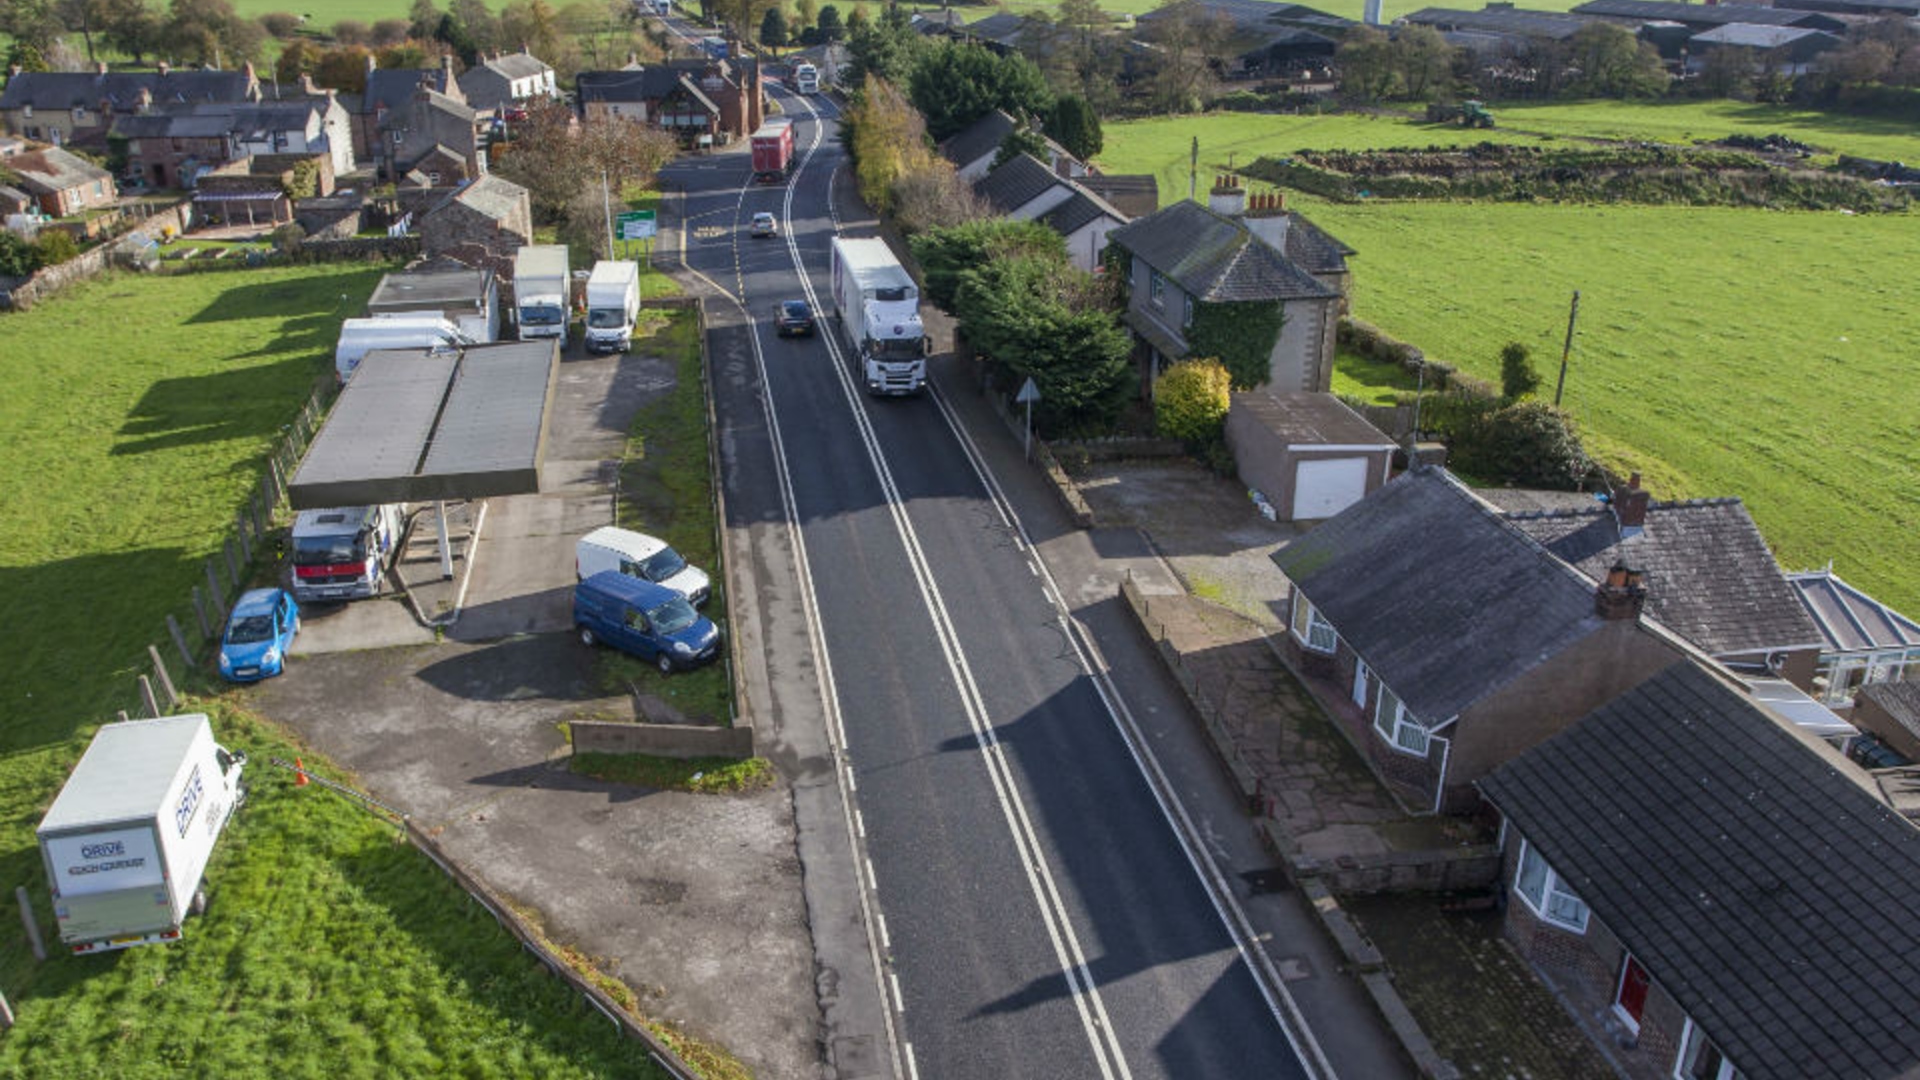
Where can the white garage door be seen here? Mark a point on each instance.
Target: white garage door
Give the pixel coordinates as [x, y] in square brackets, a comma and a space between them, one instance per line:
[1323, 488]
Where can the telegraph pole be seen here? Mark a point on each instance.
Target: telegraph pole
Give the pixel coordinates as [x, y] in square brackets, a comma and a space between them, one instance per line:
[1572, 314]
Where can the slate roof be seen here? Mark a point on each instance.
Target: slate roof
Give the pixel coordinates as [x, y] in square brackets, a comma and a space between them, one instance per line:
[1135, 195]
[452, 106]
[1080, 208]
[1313, 249]
[173, 125]
[1710, 577]
[978, 139]
[1771, 896]
[493, 196]
[1215, 258]
[392, 88]
[1848, 619]
[1438, 592]
[1005, 29]
[1550, 25]
[1900, 701]
[518, 65]
[1262, 13]
[1017, 182]
[53, 169]
[1706, 14]
[63, 90]
[1753, 36]
[638, 85]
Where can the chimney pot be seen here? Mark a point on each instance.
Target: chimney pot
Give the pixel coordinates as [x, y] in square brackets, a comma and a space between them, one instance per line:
[1630, 507]
[1622, 595]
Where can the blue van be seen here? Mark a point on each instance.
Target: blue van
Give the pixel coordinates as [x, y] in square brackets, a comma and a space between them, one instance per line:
[647, 620]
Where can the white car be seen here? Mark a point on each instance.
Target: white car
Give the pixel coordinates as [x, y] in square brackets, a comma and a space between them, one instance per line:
[764, 224]
[641, 556]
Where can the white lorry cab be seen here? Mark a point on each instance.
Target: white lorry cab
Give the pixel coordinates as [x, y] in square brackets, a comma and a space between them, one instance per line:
[540, 288]
[127, 840]
[613, 304]
[344, 554]
[806, 78]
[878, 305]
[358, 337]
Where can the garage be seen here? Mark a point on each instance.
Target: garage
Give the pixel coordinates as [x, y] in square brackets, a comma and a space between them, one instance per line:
[1308, 455]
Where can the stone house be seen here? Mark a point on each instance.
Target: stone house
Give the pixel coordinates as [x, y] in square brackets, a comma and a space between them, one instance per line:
[172, 147]
[431, 125]
[389, 90]
[1186, 257]
[1445, 642]
[62, 183]
[63, 107]
[1711, 893]
[480, 225]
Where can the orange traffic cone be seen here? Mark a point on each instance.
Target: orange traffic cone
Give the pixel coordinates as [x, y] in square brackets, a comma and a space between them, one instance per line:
[299, 773]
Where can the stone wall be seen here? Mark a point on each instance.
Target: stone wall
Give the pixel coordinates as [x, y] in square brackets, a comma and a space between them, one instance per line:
[661, 740]
[51, 279]
[361, 247]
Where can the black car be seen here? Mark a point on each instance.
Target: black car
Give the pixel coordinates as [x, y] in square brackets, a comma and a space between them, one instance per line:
[794, 318]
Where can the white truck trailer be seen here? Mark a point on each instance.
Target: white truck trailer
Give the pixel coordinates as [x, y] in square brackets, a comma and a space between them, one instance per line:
[540, 291]
[127, 840]
[613, 303]
[879, 305]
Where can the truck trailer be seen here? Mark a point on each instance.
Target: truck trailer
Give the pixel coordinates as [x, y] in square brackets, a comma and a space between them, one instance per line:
[540, 291]
[613, 303]
[127, 840]
[879, 306]
[344, 553]
[773, 152]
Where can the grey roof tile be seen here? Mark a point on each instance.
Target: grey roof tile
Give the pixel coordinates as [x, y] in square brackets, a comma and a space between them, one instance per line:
[1784, 916]
[978, 139]
[1215, 258]
[121, 89]
[1017, 182]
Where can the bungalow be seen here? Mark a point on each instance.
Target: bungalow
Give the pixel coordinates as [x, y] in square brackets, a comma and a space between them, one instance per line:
[973, 149]
[1713, 894]
[1710, 577]
[63, 107]
[63, 183]
[503, 81]
[1189, 266]
[1446, 642]
[1862, 641]
[1024, 189]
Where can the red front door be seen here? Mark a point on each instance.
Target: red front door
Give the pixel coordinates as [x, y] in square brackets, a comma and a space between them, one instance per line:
[1632, 998]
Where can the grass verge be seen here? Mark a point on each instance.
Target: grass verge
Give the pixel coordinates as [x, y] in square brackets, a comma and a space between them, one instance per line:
[705, 776]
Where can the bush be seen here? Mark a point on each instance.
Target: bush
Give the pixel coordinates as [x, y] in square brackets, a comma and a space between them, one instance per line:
[1518, 378]
[18, 258]
[281, 24]
[1190, 401]
[56, 246]
[1528, 443]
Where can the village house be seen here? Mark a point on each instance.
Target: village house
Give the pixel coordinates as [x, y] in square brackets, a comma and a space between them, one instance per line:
[481, 225]
[1025, 189]
[702, 100]
[506, 81]
[68, 107]
[173, 147]
[61, 183]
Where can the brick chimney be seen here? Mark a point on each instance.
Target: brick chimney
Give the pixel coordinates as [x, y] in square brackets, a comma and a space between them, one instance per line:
[1630, 508]
[162, 67]
[1228, 198]
[1622, 594]
[1267, 218]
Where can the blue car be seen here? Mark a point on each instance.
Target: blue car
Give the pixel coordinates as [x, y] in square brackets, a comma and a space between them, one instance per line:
[258, 633]
[643, 619]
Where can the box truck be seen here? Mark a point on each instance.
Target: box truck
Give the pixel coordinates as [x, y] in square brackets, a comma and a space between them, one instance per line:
[127, 840]
[613, 303]
[773, 152]
[540, 291]
[806, 78]
[344, 554]
[358, 337]
[879, 306]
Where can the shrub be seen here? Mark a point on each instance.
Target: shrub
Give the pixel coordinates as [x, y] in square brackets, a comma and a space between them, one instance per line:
[1529, 443]
[56, 246]
[1518, 378]
[18, 258]
[1190, 401]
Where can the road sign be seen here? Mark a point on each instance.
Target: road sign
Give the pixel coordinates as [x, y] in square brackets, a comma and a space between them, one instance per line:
[636, 225]
[1029, 393]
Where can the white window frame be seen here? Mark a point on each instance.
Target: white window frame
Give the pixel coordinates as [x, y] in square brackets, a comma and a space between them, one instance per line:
[1311, 629]
[1157, 288]
[1393, 723]
[1556, 903]
[1693, 1040]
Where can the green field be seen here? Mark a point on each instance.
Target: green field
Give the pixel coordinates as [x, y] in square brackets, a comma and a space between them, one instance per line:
[1722, 352]
[138, 413]
[1688, 121]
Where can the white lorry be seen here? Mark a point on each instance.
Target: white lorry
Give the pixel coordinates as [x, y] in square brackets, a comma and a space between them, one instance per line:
[879, 305]
[540, 291]
[613, 303]
[127, 840]
[358, 337]
[343, 554]
[806, 78]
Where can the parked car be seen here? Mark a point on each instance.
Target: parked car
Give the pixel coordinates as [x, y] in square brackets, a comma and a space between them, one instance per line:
[638, 555]
[645, 620]
[794, 318]
[259, 632]
[764, 224]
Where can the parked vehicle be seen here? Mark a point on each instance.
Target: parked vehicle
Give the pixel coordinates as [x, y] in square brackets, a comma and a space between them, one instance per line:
[806, 78]
[793, 318]
[540, 291]
[764, 224]
[259, 632]
[714, 47]
[358, 337]
[638, 555]
[127, 840]
[613, 303]
[879, 306]
[344, 554]
[773, 152]
[643, 619]
[469, 299]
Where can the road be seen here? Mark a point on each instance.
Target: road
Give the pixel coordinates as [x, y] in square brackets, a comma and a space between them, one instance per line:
[1028, 905]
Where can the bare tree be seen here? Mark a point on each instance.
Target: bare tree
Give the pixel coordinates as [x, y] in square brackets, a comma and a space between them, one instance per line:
[1188, 40]
[934, 197]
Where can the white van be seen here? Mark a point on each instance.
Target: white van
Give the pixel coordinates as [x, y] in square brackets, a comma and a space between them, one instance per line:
[358, 337]
[639, 555]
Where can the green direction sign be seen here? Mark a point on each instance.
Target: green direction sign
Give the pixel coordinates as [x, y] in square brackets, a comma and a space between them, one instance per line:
[636, 225]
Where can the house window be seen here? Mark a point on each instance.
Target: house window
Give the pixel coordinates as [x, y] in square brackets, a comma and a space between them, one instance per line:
[1630, 997]
[1360, 683]
[1544, 892]
[1390, 719]
[1313, 631]
[1157, 289]
[1701, 1060]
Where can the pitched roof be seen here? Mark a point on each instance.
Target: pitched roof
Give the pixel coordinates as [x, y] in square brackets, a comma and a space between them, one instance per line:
[1215, 258]
[1771, 896]
[54, 169]
[1710, 577]
[1899, 700]
[493, 196]
[1015, 183]
[13, 196]
[519, 65]
[173, 124]
[1550, 25]
[1080, 208]
[392, 88]
[1752, 36]
[1848, 619]
[121, 89]
[1313, 249]
[634, 85]
[1135, 194]
[1438, 593]
[978, 139]
[1706, 14]
[1005, 29]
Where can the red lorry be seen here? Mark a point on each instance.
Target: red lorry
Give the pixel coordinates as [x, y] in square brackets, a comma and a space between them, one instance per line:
[773, 152]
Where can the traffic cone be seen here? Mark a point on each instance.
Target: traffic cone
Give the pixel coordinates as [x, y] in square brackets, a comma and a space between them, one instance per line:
[299, 773]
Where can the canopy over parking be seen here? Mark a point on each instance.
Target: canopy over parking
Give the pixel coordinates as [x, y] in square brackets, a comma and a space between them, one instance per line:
[420, 425]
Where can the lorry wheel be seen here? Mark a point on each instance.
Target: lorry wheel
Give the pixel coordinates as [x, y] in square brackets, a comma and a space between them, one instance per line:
[199, 901]
[587, 638]
[665, 664]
